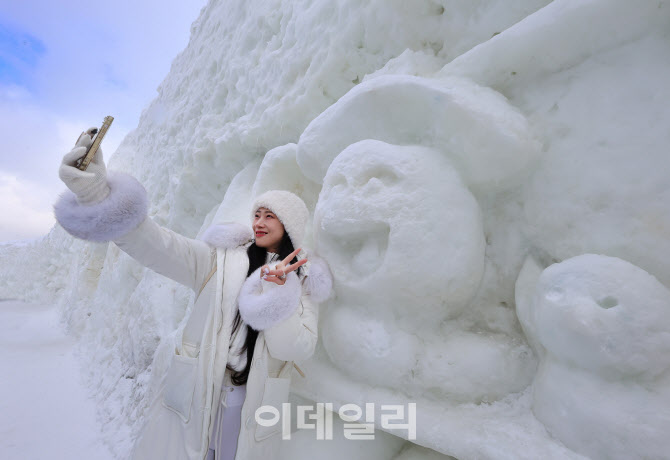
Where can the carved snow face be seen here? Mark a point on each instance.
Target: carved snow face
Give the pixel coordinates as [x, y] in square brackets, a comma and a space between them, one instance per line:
[603, 314]
[400, 231]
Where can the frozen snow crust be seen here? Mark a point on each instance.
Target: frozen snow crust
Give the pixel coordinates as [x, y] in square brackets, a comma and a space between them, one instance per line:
[487, 181]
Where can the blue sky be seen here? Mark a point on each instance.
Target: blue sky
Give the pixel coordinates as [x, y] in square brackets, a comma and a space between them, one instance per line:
[20, 53]
[64, 66]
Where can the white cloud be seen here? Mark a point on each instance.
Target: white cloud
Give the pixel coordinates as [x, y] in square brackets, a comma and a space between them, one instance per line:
[25, 208]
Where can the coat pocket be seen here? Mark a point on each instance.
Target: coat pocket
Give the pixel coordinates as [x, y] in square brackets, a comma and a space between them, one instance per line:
[275, 393]
[180, 385]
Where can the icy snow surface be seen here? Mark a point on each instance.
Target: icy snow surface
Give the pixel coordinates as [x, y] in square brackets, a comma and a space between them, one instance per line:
[46, 411]
[488, 182]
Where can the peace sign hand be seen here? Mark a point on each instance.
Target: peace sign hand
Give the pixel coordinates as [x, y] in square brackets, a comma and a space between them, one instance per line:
[278, 274]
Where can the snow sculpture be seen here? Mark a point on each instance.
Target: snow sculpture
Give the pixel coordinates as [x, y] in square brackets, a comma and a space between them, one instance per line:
[601, 327]
[405, 242]
[404, 236]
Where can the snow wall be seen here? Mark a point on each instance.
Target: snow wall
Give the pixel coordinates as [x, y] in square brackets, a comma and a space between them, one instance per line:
[488, 181]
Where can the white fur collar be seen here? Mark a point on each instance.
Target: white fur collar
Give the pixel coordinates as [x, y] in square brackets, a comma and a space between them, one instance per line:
[227, 235]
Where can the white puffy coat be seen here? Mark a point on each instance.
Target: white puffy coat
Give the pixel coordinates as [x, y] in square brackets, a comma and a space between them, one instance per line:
[180, 418]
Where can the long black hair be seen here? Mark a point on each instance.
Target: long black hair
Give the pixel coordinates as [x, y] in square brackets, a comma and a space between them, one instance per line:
[257, 257]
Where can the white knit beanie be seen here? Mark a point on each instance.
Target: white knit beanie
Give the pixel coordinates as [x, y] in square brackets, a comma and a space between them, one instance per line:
[289, 209]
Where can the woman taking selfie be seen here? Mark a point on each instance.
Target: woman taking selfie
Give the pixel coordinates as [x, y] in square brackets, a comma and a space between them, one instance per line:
[255, 313]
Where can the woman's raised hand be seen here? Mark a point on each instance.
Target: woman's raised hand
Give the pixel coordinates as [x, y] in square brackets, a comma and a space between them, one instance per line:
[89, 186]
[278, 275]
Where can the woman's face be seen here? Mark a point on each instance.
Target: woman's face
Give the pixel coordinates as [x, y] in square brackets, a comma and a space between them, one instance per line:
[268, 229]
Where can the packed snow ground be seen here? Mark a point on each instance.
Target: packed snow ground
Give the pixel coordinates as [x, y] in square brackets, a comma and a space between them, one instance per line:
[47, 411]
[487, 180]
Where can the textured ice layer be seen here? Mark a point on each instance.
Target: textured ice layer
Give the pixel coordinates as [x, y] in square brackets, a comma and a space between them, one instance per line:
[438, 145]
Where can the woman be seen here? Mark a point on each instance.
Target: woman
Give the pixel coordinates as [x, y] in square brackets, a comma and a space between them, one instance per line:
[255, 313]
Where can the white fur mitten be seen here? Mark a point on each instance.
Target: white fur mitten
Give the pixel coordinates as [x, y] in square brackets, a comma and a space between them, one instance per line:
[98, 207]
[319, 281]
[89, 186]
[263, 303]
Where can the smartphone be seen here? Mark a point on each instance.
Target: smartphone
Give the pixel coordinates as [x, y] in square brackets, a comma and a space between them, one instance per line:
[84, 161]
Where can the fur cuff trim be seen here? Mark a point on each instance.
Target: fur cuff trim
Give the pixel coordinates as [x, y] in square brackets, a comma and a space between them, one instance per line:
[319, 282]
[227, 235]
[123, 210]
[262, 306]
